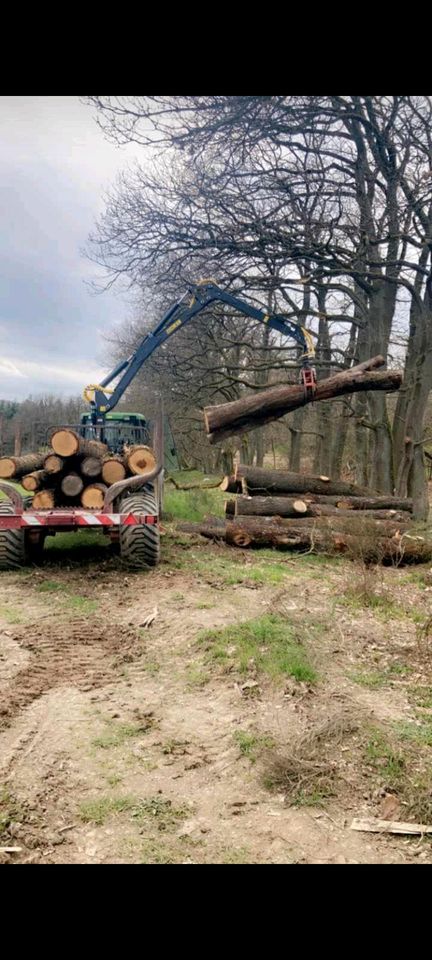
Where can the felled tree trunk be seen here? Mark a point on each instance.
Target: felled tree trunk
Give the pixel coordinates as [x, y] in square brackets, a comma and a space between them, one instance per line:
[36, 480]
[231, 485]
[140, 459]
[91, 467]
[53, 464]
[93, 496]
[396, 549]
[113, 469]
[44, 500]
[254, 410]
[256, 481]
[72, 484]
[360, 503]
[18, 466]
[67, 443]
[286, 507]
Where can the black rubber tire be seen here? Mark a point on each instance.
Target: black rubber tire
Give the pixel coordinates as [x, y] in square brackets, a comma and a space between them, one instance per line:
[140, 545]
[12, 544]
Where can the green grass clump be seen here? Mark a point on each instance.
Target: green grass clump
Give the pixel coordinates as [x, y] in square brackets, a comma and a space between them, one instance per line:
[98, 811]
[268, 644]
[49, 586]
[251, 744]
[420, 732]
[384, 757]
[116, 734]
[10, 614]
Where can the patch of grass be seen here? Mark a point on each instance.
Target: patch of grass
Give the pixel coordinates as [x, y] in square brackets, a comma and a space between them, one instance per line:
[234, 855]
[197, 677]
[193, 505]
[422, 696]
[50, 586]
[420, 732]
[251, 744]
[10, 811]
[202, 605]
[81, 547]
[267, 644]
[81, 604]
[116, 734]
[383, 606]
[162, 811]
[113, 779]
[10, 614]
[376, 679]
[384, 757]
[98, 811]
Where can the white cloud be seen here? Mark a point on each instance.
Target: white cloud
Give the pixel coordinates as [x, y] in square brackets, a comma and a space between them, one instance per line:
[8, 368]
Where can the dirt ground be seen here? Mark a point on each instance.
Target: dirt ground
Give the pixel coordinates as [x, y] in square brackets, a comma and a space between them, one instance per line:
[126, 744]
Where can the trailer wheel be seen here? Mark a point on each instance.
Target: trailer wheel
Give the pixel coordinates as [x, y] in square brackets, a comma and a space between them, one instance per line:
[12, 545]
[140, 545]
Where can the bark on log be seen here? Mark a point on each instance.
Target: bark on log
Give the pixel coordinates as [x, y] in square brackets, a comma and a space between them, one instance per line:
[253, 411]
[360, 503]
[266, 507]
[36, 480]
[68, 443]
[72, 485]
[263, 482]
[140, 459]
[397, 549]
[44, 500]
[285, 507]
[91, 467]
[19, 466]
[53, 463]
[93, 496]
[360, 524]
[113, 469]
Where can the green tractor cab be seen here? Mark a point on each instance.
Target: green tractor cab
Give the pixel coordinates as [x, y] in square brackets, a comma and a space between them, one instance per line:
[117, 429]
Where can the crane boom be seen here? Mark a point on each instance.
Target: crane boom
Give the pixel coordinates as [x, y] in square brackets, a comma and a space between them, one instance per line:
[197, 299]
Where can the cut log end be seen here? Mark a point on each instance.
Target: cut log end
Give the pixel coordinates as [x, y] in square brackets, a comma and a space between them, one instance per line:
[113, 470]
[140, 459]
[72, 485]
[93, 496]
[44, 500]
[7, 468]
[53, 463]
[65, 443]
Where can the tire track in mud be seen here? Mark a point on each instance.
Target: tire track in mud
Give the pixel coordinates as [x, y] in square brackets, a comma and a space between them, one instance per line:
[77, 654]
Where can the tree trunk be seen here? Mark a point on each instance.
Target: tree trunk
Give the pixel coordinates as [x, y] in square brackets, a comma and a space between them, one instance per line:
[295, 429]
[140, 459]
[267, 482]
[18, 466]
[361, 503]
[396, 549]
[93, 496]
[72, 484]
[230, 485]
[254, 410]
[91, 467]
[113, 469]
[285, 507]
[68, 443]
[44, 500]
[53, 463]
[36, 480]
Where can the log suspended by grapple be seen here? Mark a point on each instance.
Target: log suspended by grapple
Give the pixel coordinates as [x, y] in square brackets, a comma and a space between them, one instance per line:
[254, 410]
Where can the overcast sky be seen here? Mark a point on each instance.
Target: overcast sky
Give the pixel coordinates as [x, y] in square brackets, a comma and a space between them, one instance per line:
[54, 168]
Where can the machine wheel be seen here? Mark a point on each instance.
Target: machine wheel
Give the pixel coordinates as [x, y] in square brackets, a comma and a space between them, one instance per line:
[12, 545]
[140, 545]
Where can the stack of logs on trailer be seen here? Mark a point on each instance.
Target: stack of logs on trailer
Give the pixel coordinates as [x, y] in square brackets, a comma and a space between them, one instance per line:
[292, 511]
[75, 472]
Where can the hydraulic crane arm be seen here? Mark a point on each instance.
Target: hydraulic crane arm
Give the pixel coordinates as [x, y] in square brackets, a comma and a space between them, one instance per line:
[197, 299]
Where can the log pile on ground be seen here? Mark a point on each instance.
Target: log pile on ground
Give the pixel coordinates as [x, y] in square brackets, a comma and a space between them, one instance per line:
[76, 471]
[291, 511]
